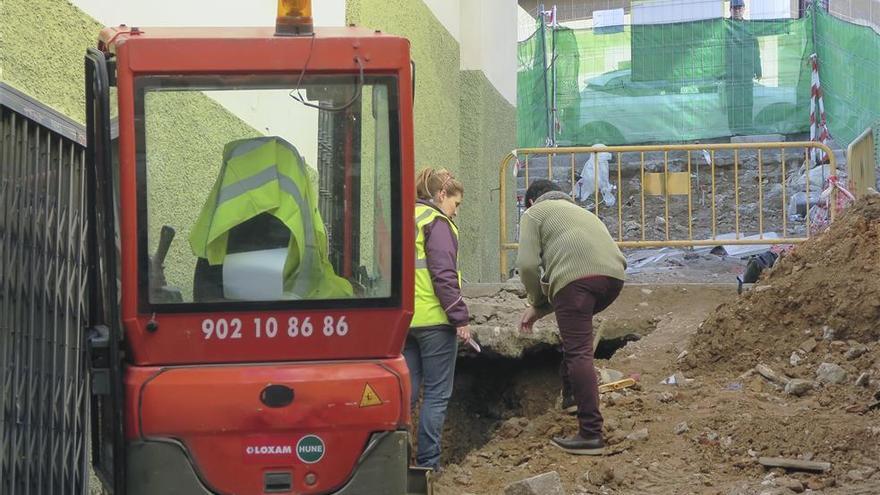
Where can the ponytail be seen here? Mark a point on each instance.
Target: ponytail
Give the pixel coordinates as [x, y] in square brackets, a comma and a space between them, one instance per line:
[430, 181]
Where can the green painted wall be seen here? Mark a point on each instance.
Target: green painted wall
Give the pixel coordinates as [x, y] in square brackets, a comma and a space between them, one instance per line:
[488, 133]
[436, 54]
[42, 49]
[461, 122]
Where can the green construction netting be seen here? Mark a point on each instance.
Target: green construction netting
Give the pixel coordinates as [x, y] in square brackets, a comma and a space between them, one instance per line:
[849, 67]
[532, 91]
[694, 80]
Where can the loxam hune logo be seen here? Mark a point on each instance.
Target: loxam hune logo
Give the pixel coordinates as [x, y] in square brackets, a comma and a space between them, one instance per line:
[269, 450]
[310, 449]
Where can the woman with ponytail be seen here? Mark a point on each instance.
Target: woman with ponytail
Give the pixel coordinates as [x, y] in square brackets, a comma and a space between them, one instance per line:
[441, 315]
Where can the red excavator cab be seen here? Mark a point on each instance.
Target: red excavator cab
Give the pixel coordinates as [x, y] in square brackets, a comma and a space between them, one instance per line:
[251, 281]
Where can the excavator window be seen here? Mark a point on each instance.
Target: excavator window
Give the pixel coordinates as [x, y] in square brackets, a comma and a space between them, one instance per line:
[247, 194]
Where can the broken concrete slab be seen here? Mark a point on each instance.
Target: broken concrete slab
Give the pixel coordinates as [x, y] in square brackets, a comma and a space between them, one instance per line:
[798, 387]
[638, 435]
[792, 484]
[795, 464]
[855, 350]
[509, 342]
[771, 375]
[808, 345]
[543, 484]
[481, 312]
[830, 373]
[608, 375]
[496, 316]
[828, 333]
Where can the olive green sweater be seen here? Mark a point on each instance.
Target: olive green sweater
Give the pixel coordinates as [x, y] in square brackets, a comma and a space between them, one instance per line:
[568, 242]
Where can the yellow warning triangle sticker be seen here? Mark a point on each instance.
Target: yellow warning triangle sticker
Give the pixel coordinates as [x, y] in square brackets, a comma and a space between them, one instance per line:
[370, 397]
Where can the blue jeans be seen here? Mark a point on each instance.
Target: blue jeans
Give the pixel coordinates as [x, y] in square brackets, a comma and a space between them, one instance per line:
[430, 355]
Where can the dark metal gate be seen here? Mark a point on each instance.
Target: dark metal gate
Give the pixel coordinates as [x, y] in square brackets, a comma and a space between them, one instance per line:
[44, 396]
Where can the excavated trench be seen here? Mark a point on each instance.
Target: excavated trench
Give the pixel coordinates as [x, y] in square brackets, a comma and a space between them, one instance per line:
[490, 389]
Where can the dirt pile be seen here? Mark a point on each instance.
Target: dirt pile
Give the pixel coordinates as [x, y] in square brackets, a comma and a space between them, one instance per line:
[827, 290]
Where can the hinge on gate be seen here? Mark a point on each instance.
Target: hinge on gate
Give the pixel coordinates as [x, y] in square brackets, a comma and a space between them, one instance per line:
[98, 348]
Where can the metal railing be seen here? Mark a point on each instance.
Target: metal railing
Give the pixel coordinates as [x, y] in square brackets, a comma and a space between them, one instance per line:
[673, 180]
[43, 382]
[861, 163]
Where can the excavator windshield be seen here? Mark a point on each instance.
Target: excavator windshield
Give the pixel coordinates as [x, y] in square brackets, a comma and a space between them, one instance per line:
[273, 188]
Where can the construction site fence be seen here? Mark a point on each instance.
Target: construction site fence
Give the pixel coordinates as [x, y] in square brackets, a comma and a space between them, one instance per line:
[860, 161]
[680, 195]
[662, 82]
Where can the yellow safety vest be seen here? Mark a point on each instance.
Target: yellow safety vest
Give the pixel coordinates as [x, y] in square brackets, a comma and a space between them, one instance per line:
[268, 175]
[428, 310]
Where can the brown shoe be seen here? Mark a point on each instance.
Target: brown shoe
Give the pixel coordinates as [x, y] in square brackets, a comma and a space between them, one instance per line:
[578, 445]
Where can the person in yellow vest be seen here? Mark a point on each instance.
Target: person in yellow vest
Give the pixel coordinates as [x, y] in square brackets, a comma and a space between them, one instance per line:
[263, 199]
[440, 314]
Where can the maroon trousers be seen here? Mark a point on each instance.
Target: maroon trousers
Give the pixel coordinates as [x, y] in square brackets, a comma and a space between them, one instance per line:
[575, 306]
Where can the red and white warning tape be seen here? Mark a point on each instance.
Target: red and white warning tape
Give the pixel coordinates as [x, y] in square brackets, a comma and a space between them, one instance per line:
[818, 127]
[819, 212]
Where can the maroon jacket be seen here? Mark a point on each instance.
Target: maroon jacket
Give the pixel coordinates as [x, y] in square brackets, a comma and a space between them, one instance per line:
[441, 251]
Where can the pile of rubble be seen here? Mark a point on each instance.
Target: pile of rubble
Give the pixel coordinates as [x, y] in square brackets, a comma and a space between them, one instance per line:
[822, 299]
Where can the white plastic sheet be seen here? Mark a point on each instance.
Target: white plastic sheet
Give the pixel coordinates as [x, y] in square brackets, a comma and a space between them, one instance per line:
[255, 275]
[585, 188]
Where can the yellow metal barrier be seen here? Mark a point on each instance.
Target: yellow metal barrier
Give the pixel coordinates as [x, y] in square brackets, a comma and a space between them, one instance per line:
[861, 163]
[669, 185]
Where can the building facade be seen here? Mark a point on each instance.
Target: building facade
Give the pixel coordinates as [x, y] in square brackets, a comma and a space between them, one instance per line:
[464, 52]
